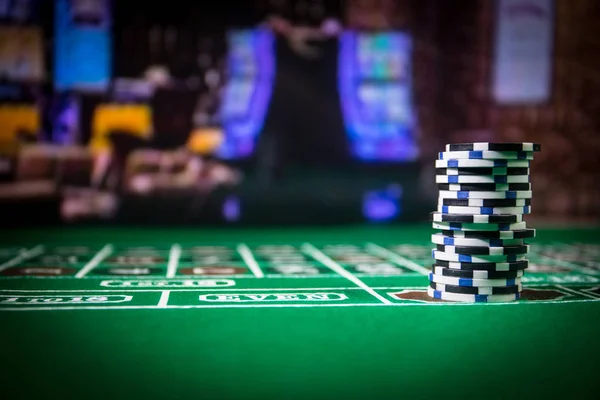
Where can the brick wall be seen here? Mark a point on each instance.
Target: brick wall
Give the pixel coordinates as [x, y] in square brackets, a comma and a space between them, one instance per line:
[566, 174]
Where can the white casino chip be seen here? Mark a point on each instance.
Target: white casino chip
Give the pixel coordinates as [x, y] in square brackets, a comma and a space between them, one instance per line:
[472, 298]
[482, 179]
[485, 155]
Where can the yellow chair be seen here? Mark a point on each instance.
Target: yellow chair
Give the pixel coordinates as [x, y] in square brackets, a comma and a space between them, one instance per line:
[16, 118]
[135, 119]
[205, 141]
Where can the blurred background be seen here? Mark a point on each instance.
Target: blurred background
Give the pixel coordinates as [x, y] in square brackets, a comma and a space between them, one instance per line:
[287, 112]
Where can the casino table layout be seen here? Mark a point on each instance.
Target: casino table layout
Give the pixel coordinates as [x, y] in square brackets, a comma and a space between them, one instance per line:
[332, 312]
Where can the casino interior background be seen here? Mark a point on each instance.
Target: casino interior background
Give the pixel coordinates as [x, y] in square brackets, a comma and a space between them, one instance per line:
[281, 111]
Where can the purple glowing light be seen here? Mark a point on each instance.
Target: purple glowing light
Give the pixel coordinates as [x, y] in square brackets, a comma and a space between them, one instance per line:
[231, 209]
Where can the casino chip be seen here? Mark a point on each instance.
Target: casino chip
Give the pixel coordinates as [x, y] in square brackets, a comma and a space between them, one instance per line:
[456, 226]
[467, 282]
[440, 238]
[513, 234]
[488, 266]
[465, 194]
[485, 155]
[482, 178]
[490, 290]
[467, 163]
[482, 250]
[472, 298]
[484, 210]
[484, 187]
[485, 202]
[467, 258]
[482, 171]
[441, 216]
[484, 192]
[474, 274]
[494, 147]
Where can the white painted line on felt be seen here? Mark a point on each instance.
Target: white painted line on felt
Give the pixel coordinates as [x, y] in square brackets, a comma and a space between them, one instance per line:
[322, 276]
[27, 254]
[415, 304]
[249, 259]
[95, 261]
[235, 276]
[572, 291]
[403, 261]
[229, 289]
[164, 299]
[174, 255]
[337, 268]
[50, 308]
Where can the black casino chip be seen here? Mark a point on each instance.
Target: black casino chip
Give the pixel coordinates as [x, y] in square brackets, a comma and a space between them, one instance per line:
[483, 171]
[485, 266]
[484, 187]
[476, 289]
[494, 147]
[476, 219]
[470, 274]
[483, 250]
[485, 202]
[519, 234]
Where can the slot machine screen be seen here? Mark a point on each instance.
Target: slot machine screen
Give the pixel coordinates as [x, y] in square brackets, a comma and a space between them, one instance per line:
[238, 95]
[386, 102]
[82, 45]
[246, 95]
[92, 13]
[375, 87]
[242, 60]
[383, 56]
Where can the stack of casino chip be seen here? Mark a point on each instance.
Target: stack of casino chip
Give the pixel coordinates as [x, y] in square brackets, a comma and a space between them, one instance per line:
[480, 253]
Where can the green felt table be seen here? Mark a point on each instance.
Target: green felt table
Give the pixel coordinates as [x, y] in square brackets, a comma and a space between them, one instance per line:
[286, 313]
